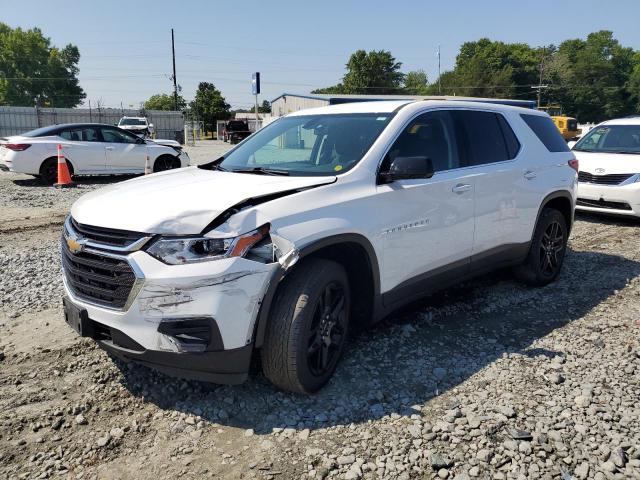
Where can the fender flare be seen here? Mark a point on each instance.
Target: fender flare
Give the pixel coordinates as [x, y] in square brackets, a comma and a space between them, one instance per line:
[274, 282]
[552, 196]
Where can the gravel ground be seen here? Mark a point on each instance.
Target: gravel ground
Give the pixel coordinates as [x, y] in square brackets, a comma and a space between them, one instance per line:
[486, 380]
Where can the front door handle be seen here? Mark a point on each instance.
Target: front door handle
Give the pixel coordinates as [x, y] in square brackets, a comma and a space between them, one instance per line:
[109, 148]
[530, 174]
[461, 188]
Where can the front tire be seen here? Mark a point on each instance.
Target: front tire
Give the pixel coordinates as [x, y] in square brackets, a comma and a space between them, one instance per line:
[308, 327]
[165, 162]
[547, 251]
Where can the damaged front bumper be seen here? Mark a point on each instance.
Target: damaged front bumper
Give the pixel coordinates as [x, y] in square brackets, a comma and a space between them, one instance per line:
[193, 321]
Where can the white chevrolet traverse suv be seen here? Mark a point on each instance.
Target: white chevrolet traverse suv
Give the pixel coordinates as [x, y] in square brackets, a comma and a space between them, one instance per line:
[609, 178]
[324, 220]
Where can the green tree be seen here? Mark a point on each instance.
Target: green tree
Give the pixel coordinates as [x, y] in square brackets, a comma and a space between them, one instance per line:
[164, 101]
[209, 105]
[416, 83]
[487, 68]
[594, 79]
[265, 107]
[633, 84]
[372, 73]
[32, 71]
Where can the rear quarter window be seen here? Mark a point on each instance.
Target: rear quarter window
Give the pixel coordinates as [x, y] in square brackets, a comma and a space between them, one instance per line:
[546, 131]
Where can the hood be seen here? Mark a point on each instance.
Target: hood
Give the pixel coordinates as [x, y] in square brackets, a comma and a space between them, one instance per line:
[179, 202]
[610, 162]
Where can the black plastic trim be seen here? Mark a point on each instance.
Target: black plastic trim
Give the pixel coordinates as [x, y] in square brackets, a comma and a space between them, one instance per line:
[229, 367]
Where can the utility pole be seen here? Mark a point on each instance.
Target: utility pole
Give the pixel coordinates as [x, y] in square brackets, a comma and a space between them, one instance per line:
[540, 86]
[175, 82]
[439, 87]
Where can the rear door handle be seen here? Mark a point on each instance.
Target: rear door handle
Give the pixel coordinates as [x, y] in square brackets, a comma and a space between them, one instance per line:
[461, 188]
[530, 174]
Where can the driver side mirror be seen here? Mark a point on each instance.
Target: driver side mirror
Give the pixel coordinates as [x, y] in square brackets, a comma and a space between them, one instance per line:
[406, 168]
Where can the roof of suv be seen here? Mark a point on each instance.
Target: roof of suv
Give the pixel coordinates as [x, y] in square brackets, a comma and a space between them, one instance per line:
[389, 106]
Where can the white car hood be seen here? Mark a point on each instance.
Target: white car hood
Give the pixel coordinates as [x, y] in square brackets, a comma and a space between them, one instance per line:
[178, 202]
[609, 162]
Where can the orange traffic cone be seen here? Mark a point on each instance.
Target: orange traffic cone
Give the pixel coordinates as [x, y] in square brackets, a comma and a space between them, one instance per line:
[64, 177]
[147, 166]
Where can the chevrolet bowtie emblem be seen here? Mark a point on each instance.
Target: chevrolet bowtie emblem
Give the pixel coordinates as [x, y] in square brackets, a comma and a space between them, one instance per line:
[73, 245]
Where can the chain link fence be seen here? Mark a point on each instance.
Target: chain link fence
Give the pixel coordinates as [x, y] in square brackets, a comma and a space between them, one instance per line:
[17, 120]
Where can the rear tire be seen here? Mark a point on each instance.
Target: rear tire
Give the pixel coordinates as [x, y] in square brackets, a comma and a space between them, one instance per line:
[165, 162]
[49, 171]
[547, 251]
[308, 327]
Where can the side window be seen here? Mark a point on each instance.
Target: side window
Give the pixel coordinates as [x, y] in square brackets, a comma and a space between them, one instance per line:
[546, 131]
[86, 134]
[513, 145]
[485, 137]
[431, 135]
[111, 135]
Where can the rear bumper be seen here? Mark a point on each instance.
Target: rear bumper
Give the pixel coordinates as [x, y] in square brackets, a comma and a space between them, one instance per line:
[614, 199]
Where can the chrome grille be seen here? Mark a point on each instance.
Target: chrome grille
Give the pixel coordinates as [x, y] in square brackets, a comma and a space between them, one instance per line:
[99, 279]
[612, 179]
[106, 236]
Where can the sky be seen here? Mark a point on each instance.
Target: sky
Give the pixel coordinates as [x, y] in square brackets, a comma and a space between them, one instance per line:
[125, 46]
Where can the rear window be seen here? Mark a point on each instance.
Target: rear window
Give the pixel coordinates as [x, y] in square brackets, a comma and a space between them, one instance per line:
[546, 131]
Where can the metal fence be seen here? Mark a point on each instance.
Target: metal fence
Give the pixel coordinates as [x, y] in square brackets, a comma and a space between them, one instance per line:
[17, 120]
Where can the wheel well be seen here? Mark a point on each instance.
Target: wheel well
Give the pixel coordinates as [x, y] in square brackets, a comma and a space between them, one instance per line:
[55, 159]
[355, 260]
[172, 157]
[563, 205]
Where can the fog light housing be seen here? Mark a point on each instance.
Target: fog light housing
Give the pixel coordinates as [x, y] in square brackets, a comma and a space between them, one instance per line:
[192, 334]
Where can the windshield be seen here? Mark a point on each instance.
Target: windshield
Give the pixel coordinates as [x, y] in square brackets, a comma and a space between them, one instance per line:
[309, 145]
[611, 139]
[133, 121]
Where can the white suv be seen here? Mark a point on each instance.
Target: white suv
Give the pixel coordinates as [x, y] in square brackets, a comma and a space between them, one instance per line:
[323, 220]
[609, 178]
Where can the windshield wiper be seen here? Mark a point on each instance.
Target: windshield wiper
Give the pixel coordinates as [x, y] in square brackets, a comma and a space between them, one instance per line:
[632, 152]
[261, 171]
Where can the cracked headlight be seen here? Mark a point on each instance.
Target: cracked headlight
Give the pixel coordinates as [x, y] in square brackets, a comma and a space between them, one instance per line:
[181, 250]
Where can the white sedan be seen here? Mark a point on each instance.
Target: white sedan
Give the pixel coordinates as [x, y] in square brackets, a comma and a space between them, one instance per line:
[90, 149]
[609, 177]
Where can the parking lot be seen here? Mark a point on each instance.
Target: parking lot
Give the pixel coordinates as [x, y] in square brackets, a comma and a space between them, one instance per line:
[489, 379]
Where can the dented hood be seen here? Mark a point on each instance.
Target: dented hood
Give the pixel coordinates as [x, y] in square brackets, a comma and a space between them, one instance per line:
[179, 202]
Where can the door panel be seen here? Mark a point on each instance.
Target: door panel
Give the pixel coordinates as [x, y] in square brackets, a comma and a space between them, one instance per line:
[426, 224]
[501, 188]
[123, 153]
[84, 150]
[430, 226]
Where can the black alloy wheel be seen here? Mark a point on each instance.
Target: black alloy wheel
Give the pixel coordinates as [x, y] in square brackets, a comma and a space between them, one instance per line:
[551, 249]
[327, 331]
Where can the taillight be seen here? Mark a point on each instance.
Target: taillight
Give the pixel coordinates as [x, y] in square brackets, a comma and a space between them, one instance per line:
[574, 164]
[17, 147]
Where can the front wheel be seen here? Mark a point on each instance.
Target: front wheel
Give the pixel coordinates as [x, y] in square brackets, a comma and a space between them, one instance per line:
[165, 162]
[308, 327]
[547, 251]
